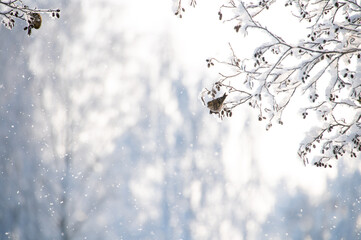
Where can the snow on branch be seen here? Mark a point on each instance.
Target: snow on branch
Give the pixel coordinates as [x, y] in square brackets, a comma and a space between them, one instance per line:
[15, 9]
[323, 69]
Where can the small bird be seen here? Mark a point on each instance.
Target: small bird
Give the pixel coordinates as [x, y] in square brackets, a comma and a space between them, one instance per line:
[216, 105]
[36, 20]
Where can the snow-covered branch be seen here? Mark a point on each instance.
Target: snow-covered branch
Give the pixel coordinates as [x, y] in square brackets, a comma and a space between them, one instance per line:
[322, 68]
[16, 9]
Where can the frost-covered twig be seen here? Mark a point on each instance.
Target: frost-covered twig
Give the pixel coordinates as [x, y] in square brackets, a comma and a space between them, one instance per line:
[15, 9]
[324, 68]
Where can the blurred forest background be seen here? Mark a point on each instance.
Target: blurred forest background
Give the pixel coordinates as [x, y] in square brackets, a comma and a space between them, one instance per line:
[103, 136]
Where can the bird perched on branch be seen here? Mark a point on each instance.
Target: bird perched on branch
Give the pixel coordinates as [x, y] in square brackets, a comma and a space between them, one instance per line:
[216, 105]
[35, 20]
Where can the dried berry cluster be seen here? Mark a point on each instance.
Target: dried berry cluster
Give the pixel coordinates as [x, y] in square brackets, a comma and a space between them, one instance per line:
[215, 89]
[304, 115]
[321, 164]
[9, 23]
[330, 149]
[260, 58]
[333, 97]
[179, 12]
[313, 97]
[264, 4]
[209, 63]
[56, 14]
[338, 151]
[181, 9]
[289, 3]
[237, 27]
[225, 113]
[220, 15]
[357, 145]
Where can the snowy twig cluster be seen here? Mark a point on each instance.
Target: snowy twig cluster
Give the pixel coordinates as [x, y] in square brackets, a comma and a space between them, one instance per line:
[323, 70]
[16, 9]
[181, 9]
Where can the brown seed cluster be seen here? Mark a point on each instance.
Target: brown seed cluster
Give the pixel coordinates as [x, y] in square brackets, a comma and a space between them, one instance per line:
[321, 164]
[8, 24]
[179, 12]
[209, 63]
